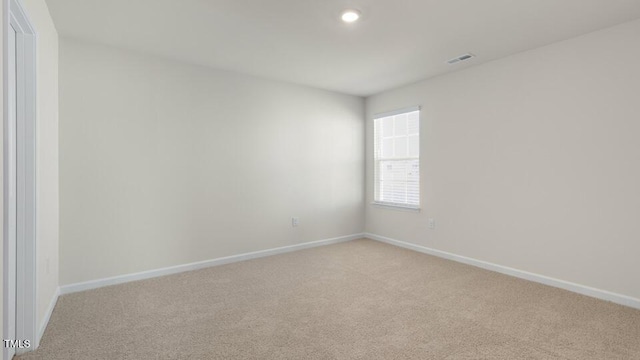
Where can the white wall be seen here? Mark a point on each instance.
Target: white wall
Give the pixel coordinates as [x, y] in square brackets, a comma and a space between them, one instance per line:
[531, 161]
[47, 154]
[163, 163]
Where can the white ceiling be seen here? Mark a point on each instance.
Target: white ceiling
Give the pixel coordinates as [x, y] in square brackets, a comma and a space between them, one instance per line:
[303, 41]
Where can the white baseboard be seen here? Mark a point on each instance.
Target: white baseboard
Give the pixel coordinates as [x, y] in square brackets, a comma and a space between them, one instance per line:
[47, 317]
[566, 285]
[94, 284]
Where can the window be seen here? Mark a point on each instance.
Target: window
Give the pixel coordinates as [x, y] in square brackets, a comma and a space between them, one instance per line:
[397, 158]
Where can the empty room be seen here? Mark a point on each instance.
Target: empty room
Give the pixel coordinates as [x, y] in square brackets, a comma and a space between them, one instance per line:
[320, 179]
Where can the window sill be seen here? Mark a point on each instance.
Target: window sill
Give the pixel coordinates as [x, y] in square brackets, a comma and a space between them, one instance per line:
[395, 207]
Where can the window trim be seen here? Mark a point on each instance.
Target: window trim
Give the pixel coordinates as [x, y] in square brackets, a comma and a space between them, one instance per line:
[396, 206]
[397, 112]
[391, 205]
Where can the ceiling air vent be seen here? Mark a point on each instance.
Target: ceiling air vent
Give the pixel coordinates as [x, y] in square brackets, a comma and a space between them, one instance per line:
[460, 58]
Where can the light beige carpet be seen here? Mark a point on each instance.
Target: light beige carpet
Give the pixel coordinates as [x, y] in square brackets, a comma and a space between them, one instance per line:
[356, 300]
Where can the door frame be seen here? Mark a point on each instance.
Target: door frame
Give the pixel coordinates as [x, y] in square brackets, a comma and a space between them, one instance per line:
[19, 272]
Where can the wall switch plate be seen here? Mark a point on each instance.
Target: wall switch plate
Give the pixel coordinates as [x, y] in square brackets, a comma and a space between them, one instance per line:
[295, 221]
[432, 224]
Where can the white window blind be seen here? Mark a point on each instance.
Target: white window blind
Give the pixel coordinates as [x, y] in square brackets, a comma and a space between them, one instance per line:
[397, 158]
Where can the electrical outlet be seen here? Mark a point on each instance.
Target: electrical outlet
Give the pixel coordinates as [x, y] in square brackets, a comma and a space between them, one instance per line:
[295, 221]
[432, 224]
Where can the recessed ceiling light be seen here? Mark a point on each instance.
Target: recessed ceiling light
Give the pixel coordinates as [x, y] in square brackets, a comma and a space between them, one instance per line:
[350, 15]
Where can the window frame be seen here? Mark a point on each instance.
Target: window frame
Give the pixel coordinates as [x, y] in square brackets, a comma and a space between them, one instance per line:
[377, 160]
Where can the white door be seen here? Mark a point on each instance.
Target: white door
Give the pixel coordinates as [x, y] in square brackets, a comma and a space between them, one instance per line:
[11, 193]
[19, 169]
